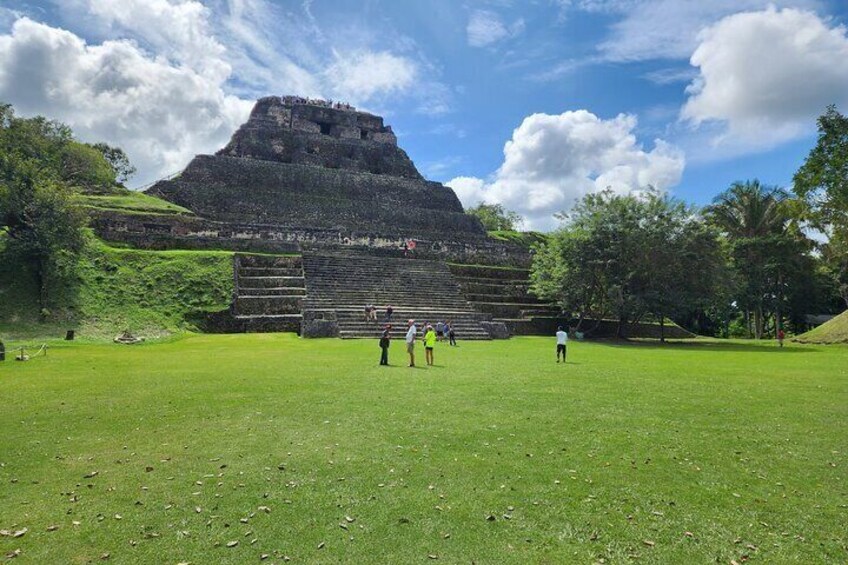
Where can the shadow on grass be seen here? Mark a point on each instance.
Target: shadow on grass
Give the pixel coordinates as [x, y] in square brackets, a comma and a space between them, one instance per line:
[695, 345]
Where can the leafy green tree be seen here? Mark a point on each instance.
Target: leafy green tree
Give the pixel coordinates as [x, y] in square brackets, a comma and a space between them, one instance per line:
[41, 168]
[769, 252]
[822, 181]
[495, 217]
[627, 256]
[118, 160]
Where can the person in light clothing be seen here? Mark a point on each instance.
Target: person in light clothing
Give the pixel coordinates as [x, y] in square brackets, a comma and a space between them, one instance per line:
[410, 341]
[562, 341]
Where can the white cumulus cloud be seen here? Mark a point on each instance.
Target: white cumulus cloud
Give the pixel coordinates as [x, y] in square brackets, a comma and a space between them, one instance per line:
[160, 112]
[365, 74]
[553, 160]
[766, 75]
[168, 79]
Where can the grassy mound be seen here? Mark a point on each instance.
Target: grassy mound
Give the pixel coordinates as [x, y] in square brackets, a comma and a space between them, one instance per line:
[131, 202]
[523, 238]
[169, 452]
[833, 331]
[148, 292]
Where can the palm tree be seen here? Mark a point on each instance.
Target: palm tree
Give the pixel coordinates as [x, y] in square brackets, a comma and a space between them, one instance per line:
[752, 216]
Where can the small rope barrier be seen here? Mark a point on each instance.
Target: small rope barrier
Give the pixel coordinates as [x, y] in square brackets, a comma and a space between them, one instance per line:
[22, 355]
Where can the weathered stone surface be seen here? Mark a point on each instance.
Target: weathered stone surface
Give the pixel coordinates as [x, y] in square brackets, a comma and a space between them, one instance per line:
[187, 232]
[232, 189]
[292, 133]
[496, 330]
[303, 165]
[320, 328]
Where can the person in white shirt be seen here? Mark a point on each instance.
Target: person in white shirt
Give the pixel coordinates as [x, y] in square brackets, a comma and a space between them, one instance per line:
[562, 340]
[410, 341]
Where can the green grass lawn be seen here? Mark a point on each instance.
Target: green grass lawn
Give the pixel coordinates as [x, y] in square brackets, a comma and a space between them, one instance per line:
[132, 202]
[699, 453]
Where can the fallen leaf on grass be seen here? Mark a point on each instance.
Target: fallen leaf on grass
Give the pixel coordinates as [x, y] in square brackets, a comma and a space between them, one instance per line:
[13, 554]
[104, 557]
[91, 475]
[52, 528]
[649, 543]
[432, 556]
[321, 545]
[232, 543]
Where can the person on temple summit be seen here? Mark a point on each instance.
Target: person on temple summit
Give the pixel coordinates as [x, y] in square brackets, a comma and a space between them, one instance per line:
[385, 341]
[562, 340]
[410, 341]
[429, 344]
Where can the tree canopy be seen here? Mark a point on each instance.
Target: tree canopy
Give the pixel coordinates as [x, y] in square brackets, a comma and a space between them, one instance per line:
[495, 217]
[41, 168]
[627, 256]
[822, 181]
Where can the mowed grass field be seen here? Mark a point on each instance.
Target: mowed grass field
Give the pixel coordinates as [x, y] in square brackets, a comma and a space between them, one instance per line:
[308, 451]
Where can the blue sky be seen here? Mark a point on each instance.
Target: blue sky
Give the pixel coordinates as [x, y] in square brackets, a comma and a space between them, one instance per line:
[531, 104]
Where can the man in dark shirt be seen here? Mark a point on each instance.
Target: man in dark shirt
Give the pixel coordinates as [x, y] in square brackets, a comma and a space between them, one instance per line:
[385, 340]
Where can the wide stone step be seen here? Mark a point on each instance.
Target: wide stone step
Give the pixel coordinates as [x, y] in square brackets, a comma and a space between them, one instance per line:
[270, 282]
[271, 291]
[501, 299]
[264, 305]
[270, 261]
[501, 289]
[270, 272]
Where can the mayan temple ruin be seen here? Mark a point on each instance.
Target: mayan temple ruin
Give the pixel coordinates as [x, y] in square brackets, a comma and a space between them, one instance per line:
[349, 221]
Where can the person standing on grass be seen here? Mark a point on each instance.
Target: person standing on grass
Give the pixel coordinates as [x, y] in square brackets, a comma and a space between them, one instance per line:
[780, 336]
[429, 344]
[440, 331]
[562, 340]
[451, 333]
[385, 341]
[410, 341]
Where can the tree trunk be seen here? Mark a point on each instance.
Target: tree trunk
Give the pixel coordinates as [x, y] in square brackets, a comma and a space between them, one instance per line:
[43, 283]
[622, 325]
[662, 329]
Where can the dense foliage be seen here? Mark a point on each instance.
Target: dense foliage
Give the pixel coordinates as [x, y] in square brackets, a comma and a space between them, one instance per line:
[822, 181]
[627, 256]
[495, 217]
[42, 168]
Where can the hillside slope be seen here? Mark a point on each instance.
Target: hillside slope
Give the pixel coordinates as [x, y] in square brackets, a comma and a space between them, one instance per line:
[151, 293]
[833, 331]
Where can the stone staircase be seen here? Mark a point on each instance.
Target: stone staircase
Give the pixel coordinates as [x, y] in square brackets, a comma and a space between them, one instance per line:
[504, 293]
[269, 293]
[340, 285]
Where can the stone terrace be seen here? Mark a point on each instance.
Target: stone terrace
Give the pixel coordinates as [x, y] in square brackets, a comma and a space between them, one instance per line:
[340, 285]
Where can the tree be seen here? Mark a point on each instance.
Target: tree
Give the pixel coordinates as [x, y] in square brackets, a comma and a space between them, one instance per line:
[628, 256]
[768, 249]
[118, 160]
[495, 217]
[41, 167]
[822, 181]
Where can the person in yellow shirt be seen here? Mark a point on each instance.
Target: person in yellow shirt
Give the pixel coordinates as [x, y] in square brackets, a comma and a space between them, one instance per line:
[429, 344]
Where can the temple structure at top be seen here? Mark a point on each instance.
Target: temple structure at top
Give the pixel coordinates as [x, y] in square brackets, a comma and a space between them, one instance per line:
[306, 165]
